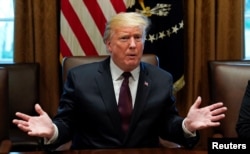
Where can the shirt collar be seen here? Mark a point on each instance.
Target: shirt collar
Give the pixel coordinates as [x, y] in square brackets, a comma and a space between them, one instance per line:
[116, 72]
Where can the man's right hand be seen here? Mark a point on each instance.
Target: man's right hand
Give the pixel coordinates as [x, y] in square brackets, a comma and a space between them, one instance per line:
[40, 126]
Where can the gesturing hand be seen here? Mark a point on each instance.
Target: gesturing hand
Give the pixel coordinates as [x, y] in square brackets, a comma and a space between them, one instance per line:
[200, 118]
[40, 126]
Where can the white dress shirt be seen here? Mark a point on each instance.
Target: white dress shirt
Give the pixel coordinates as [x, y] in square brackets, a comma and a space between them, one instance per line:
[117, 79]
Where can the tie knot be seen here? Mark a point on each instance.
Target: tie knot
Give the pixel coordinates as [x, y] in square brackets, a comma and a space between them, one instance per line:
[126, 75]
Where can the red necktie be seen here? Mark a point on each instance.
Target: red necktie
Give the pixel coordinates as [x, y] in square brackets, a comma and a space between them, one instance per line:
[125, 102]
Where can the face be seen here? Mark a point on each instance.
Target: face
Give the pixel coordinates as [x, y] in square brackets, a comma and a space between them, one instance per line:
[126, 47]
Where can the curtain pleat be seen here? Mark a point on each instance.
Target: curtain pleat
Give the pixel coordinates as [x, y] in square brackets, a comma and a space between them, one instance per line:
[36, 40]
[214, 31]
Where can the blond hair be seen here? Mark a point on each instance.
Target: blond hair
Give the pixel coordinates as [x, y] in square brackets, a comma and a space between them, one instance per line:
[128, 19]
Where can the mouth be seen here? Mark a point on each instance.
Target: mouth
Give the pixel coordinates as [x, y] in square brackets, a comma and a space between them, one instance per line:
[131, 55]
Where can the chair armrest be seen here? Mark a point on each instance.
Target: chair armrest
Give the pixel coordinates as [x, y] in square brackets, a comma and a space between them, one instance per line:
[5, 146]
[169, 144]
[217, 135]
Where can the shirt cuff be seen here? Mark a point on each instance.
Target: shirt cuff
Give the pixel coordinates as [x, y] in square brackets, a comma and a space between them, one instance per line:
[53, 138]
[187, 133]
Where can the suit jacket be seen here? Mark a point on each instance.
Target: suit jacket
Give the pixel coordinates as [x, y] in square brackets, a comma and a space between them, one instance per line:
[243, 123]
[88, 113]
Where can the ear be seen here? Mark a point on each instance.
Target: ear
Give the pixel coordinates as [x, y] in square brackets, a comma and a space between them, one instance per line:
[108, 45]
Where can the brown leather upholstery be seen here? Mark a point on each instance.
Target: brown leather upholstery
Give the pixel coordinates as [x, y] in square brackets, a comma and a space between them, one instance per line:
[228, 81]
[5, 143]
[23, 94]
[69, 62]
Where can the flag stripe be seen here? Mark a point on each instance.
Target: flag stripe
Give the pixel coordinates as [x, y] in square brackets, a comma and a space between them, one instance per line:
[77, 28]
[69, 37]
[64, 48]
[118, 5]
[96, 14]
[90, 27]
[88, 23]
[83, 24]
[107, 9]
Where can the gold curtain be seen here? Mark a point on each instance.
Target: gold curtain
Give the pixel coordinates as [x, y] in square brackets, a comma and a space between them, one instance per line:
[213, 29]
[36, 40]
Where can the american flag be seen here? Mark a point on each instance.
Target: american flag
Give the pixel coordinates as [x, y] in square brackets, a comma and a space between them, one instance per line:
[82, 24]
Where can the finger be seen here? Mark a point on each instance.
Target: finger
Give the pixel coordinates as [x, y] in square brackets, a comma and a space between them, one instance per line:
[39, 109]
[215, 106]
[15, 121]
[218, 111]
[32, 133]
[22, 116]
[214, 124]
[217, 117]
[23, 127]
[197, 102]
[20, 122]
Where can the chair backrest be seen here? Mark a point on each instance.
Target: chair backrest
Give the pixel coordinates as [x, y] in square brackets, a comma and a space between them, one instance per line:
[5, 143]
[228, 81]
[70, 62]
[3, 103]
[23, 89]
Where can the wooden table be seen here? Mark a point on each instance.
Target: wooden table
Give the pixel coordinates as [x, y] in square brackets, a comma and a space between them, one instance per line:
[125, 151]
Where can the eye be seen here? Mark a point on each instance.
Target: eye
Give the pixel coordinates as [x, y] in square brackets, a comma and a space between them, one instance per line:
[138, 37]
[124, 38]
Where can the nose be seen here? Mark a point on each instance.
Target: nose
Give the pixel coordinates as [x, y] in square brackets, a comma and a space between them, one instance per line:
[132, 42]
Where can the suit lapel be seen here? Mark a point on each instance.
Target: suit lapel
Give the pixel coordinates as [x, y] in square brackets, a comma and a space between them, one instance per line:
[144, 85]
[105, 84]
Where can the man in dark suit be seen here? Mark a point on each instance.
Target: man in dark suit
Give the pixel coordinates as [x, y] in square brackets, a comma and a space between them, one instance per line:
[88, 112]
[243, 122]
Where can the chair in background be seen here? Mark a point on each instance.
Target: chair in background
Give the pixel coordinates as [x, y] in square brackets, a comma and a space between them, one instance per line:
[228, 81]
[23, 89]
[69, 62]
[5, 144]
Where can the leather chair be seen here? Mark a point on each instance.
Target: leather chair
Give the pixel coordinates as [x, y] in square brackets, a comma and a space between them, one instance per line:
[73, 61]
[5, 144]
[69, 62]
[23, 89]
[228, 81]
